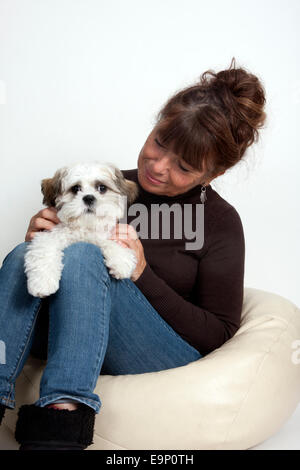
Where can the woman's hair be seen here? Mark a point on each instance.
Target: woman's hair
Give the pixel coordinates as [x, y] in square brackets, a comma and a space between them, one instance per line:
[215, 120]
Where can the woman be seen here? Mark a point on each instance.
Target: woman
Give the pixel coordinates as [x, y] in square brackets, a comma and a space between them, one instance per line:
[182, 301]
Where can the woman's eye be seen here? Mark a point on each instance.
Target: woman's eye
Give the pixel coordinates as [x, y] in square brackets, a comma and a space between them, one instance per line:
[158, 143]
[101, 188]
[75, 188]
[183, 169]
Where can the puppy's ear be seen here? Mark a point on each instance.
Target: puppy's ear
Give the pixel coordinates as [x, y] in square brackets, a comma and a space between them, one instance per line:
[126, 187]
[51, 188]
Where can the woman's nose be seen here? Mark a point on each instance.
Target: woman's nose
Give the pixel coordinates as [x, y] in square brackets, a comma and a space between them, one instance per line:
[161, 165]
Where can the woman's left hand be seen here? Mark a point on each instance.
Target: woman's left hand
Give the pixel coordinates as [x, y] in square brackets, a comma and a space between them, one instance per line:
[126, 236]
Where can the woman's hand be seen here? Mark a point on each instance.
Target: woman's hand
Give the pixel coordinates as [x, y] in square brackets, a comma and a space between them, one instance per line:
[126, 236]
[46, 219]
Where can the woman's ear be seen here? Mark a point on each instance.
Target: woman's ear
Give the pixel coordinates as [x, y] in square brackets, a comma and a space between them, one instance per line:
[208, 180]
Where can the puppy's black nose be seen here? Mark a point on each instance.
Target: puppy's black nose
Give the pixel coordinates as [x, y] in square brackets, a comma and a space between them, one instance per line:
[89, 199]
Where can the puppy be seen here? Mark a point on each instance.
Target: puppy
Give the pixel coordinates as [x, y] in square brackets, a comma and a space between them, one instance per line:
[90, 198]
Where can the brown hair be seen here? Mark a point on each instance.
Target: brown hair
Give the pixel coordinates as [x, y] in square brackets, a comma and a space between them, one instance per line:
[215, 120]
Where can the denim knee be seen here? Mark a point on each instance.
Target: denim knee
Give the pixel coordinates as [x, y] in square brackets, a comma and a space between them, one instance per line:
[84, 254]
[18, 253]
[82, 249]
[20, 249]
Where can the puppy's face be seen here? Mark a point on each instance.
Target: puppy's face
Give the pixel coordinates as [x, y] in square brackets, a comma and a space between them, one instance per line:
[83, 190]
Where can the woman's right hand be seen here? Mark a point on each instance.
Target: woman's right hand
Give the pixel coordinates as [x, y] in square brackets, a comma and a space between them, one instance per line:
[46, 219]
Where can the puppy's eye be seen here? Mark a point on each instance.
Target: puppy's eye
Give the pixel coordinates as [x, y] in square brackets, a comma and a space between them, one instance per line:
[101, 188]
[75, 188]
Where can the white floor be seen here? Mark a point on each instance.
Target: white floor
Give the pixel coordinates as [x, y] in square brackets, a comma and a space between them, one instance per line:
[287, 438]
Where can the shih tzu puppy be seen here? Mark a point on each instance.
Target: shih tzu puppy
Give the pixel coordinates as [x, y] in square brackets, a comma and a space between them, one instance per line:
[90, 200]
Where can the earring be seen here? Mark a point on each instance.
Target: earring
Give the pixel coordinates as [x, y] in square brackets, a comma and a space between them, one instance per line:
[203, 196]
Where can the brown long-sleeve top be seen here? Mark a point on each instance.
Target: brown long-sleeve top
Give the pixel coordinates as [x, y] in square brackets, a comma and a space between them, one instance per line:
[198, 292]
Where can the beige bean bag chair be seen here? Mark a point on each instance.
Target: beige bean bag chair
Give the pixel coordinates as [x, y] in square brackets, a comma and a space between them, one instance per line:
[234, 398]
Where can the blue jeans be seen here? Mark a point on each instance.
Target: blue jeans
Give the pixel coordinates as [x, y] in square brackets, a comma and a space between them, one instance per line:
[97, 324]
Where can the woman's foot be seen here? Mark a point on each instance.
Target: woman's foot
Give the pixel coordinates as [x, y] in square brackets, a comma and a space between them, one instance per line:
[2, 412]
[45, 428]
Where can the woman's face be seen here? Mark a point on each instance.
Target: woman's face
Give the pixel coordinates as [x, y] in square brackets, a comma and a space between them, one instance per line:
[162, 172]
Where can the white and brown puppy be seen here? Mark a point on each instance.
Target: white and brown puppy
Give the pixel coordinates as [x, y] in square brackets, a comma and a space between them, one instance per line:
[90, 200]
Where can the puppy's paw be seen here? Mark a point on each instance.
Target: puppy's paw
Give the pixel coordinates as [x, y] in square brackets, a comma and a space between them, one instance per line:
[42, 287]
[43, 269]
[122, 267]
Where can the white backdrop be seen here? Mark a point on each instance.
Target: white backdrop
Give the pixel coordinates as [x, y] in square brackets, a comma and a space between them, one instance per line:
[84, 79]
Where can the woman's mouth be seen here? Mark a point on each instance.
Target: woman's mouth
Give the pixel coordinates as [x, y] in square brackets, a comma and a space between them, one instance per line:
[152, 179]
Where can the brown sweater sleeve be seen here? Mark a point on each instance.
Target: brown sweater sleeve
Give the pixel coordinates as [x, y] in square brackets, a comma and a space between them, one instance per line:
[214, 314]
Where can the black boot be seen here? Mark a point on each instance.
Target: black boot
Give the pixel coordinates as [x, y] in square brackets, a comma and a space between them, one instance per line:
[42, 428]
[2, 411]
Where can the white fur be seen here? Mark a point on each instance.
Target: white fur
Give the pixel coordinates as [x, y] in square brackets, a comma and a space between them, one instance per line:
[44, 256]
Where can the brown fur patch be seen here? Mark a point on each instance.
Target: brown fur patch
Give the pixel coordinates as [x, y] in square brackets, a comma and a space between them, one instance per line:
[51, 188]
[126, 187]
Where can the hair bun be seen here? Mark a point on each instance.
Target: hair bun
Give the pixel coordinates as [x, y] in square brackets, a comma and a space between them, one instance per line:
[242, 98]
